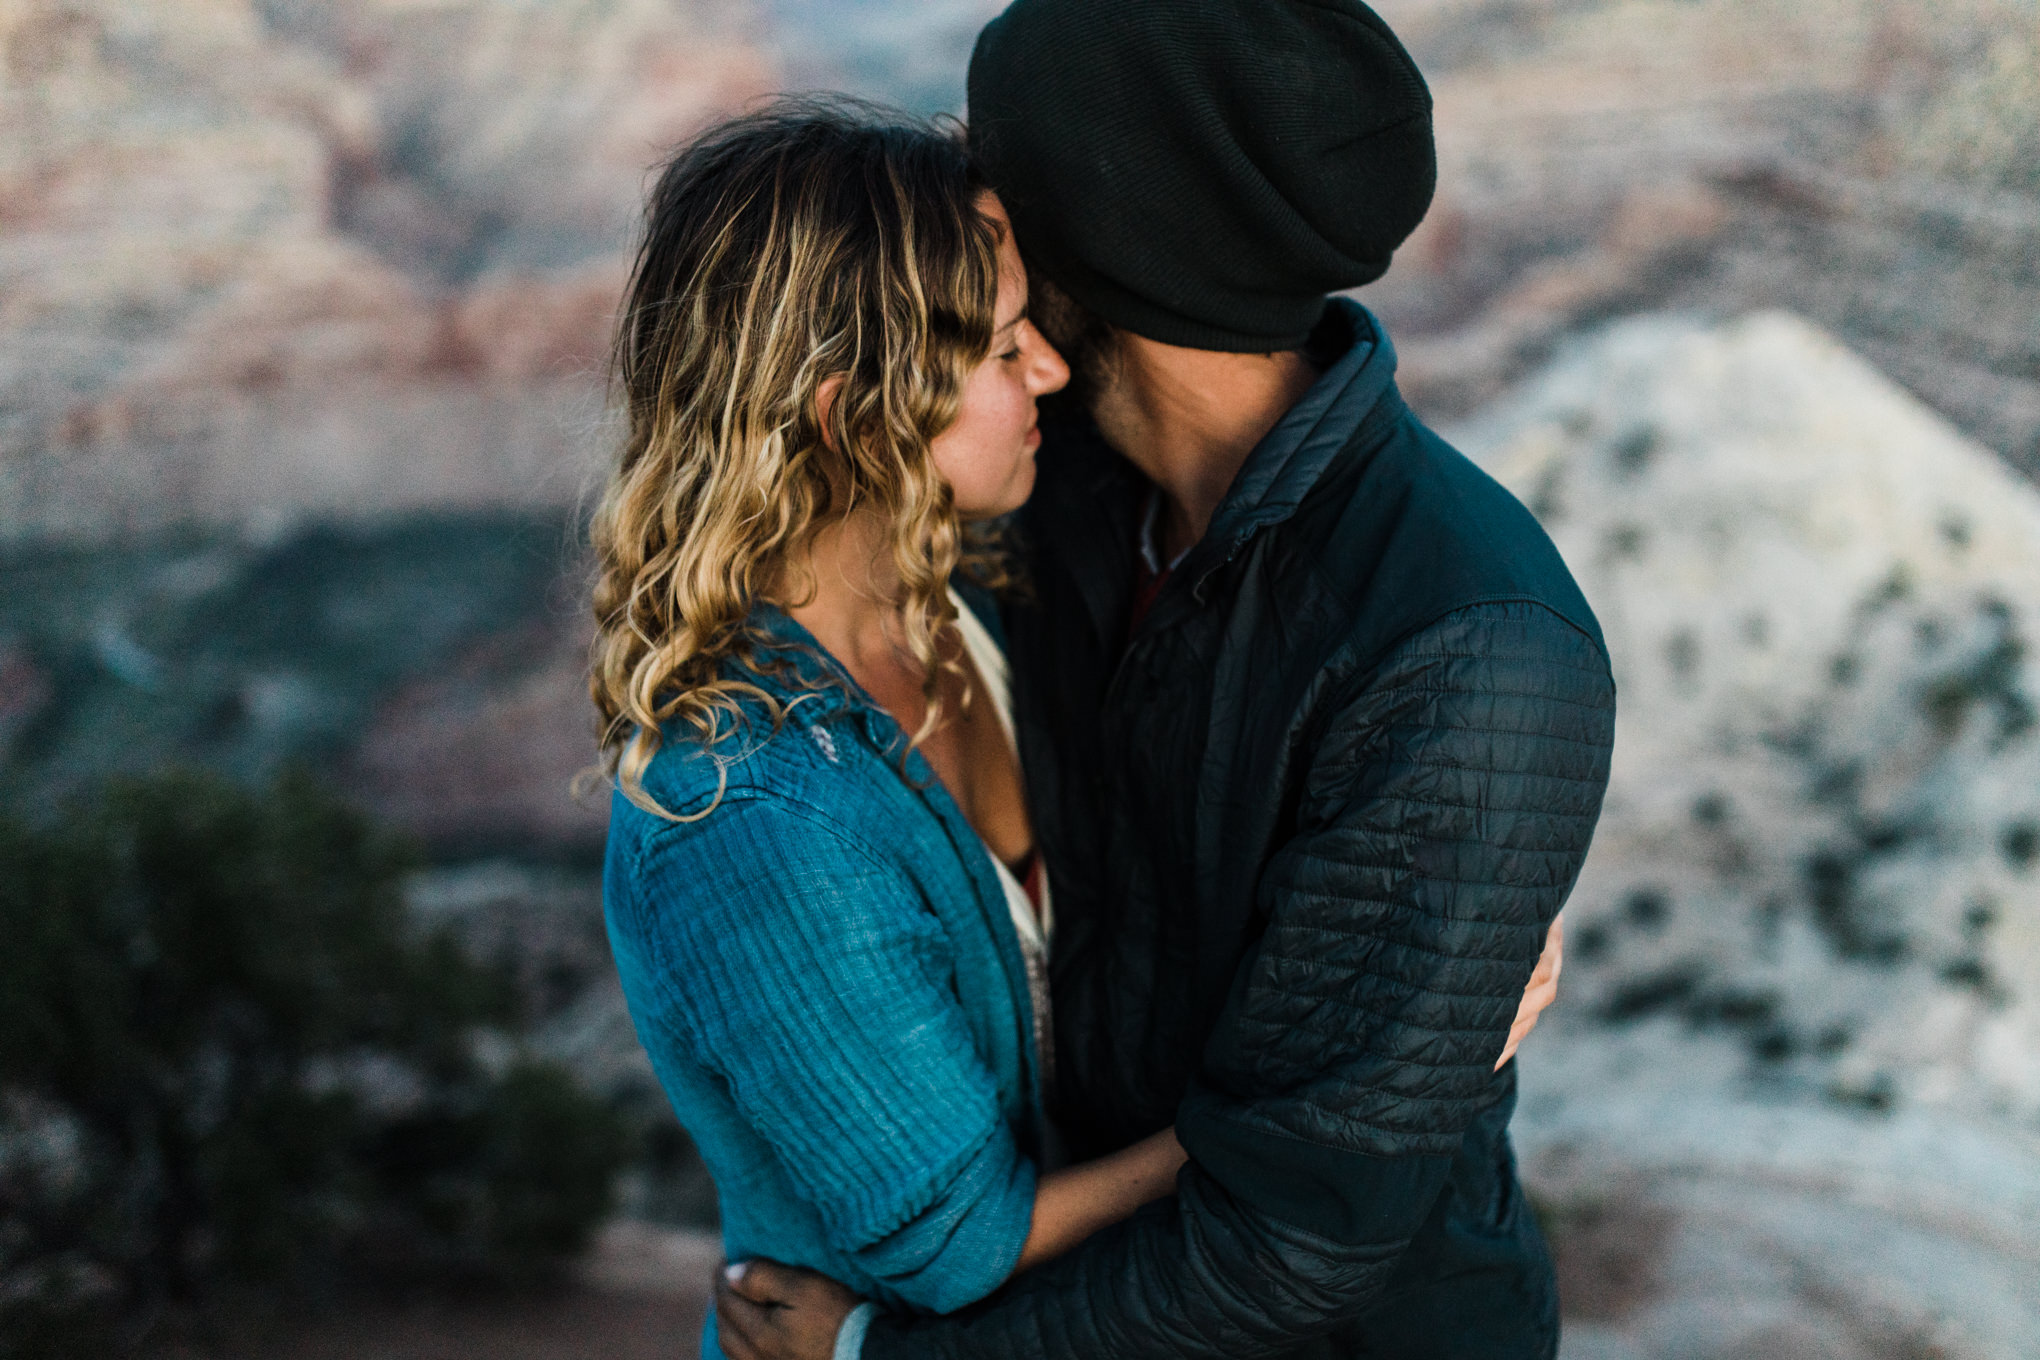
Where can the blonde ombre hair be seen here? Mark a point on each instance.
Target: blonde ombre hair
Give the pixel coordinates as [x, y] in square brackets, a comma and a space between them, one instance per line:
[779, 250]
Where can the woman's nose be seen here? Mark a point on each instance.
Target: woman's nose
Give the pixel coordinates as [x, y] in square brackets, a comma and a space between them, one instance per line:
[1045, 369]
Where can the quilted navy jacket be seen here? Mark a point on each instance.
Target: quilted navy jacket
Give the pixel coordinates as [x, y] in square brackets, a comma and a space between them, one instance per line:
[1307, 831]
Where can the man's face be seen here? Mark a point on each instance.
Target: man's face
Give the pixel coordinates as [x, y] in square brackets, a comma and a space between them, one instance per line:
[1087, 344]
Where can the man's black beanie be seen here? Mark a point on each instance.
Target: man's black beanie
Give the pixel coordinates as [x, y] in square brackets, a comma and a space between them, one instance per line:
[1203, 172]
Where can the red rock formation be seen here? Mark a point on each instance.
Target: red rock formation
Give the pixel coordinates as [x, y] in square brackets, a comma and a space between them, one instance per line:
[486, 756]
[265, 262]
[1865, 162]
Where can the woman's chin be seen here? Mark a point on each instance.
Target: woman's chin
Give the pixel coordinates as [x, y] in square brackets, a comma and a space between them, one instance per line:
[1021, 487]
[1002, 502]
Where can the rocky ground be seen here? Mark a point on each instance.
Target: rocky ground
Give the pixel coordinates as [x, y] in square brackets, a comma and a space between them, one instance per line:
[640, 1295]
[1790, 1104]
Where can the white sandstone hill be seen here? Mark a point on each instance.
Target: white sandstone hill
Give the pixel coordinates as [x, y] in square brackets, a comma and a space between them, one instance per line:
[1802, 1015]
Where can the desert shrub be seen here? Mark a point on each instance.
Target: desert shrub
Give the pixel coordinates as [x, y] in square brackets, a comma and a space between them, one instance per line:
[227, 1058]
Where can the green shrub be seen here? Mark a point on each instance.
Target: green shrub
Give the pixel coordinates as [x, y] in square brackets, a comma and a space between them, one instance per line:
[227, 1058]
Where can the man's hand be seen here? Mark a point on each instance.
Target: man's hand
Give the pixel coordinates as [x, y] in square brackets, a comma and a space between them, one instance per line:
[767, 1311]
[1543, 989]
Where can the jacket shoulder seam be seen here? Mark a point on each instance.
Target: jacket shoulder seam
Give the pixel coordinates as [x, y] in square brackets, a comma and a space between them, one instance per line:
[1391, 646]
[830, 825]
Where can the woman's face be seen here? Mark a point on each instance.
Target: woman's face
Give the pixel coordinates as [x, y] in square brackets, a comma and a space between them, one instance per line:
[987, 456]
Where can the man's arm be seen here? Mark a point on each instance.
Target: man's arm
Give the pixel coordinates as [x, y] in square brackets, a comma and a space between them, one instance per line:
[1446, 816]
[771, 1311]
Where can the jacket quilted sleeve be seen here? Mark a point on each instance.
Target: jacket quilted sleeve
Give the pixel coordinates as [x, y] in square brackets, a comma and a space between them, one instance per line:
[1446, 812]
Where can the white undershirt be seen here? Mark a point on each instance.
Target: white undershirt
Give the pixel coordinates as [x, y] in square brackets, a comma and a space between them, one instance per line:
[1033, 930]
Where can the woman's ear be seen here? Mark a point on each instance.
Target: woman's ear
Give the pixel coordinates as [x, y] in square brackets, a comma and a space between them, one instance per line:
[825, 407]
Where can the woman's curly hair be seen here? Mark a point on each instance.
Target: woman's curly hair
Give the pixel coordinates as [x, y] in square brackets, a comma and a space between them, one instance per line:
[780, 249]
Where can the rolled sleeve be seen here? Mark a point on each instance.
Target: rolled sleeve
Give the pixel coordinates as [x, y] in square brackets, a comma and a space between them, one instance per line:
[850, 1336]
[810, 976]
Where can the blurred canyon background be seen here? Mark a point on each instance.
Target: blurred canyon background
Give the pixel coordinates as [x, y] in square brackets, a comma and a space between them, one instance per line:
[303, 309]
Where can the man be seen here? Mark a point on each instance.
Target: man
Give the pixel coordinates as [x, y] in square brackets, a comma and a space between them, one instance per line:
[1315, 722]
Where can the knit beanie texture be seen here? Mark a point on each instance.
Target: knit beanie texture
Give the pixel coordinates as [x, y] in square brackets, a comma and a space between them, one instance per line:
[1203, 172]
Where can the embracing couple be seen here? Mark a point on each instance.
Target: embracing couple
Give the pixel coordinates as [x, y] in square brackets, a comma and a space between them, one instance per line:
[1080, 877]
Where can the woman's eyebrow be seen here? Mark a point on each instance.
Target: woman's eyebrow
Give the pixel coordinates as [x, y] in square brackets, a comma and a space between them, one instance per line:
[1018, 317]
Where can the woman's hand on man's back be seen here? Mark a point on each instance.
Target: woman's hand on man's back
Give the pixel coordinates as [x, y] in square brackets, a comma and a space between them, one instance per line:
[1542, 991]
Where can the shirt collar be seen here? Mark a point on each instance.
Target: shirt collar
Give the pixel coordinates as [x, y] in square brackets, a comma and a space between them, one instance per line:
[1150, 537]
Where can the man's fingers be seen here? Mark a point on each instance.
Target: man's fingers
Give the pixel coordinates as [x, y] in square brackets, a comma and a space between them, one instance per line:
[1509, 1048]
[1517, 1033]
[766, 1282]
[1542, 991]
[1553, 957]
[740, 1323]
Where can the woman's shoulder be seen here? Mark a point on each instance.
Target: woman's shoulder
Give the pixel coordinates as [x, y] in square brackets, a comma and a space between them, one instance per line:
[777, 864]
[804, 796]
[797, 768]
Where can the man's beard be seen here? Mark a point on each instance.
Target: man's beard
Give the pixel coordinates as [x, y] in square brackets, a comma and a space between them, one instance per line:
[1088, 344]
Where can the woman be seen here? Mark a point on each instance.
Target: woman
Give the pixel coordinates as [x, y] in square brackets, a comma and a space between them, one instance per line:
[822, 886]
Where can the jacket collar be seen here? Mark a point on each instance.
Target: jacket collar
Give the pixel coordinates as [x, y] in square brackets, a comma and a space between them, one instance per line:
[812, 686]
[1292, 457]
[1085, 512]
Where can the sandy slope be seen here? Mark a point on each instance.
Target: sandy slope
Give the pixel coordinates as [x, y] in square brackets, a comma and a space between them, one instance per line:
[1801, 1031]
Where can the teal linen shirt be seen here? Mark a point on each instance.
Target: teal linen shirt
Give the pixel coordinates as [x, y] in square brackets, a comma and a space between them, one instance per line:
[826, 978]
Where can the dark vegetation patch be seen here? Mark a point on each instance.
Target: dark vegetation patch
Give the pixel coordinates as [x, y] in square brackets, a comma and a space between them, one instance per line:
[1878, 1095]
[1668, 990]
[1971, 973]
[1837, 782]
[1547, 501]
[1682, 654]
[1968, 970]
[1773, 1044]
[1896, 587]
[1682, 990]
[1626, 541]
[1844, 916]
[237, 1065]
[1648, 908]
[1637, 450]
[1990, 680]
[2020, 843]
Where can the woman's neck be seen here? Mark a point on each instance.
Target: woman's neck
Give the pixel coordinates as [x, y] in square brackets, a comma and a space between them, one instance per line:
[854, 609]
